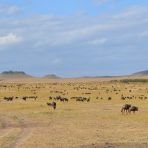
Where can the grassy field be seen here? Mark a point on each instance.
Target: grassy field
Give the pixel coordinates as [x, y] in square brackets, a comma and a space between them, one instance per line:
[95, 124]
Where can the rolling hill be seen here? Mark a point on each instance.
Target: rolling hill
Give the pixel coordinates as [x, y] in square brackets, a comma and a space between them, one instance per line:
[14, 75]
[141, 73]
[51, 76]
[23, 75]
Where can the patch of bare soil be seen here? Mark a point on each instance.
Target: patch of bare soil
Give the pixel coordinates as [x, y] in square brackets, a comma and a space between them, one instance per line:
[7, 125]
[118, 145]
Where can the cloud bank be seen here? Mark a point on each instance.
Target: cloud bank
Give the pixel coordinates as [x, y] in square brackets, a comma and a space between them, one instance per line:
[9, 39]
[111, 43]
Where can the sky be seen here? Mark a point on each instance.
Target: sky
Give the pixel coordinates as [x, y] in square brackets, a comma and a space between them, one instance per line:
[73, 38]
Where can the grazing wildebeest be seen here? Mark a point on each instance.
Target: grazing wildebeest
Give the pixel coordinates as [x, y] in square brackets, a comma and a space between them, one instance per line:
[50, 98]
[133, 109]
[53, 104]
[88, 100]
[125, 108]
[66, 100]
[62, 99]
[8, 98]
[24, 98]
[109, 98]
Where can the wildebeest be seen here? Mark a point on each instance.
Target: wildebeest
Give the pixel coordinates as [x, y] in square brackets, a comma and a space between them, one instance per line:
[125, 108]
[66, 100]
[53, 104]
[133, 109]
[88, 100]
[109, 98]
[8, 98]
[24, 98]
[50, 98]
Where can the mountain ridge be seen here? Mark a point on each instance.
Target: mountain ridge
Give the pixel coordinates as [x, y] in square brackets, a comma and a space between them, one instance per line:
[21, 74]
[14, 74]
[51, 76]
[141, 73]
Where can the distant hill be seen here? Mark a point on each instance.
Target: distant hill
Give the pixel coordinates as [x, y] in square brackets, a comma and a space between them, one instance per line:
[99, 76]
[141, 73]
[14, 74]
[89, 77]
[52, 76]
[21, 75]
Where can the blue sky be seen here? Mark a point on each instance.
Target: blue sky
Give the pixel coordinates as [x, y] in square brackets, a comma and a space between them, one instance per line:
[74, 38]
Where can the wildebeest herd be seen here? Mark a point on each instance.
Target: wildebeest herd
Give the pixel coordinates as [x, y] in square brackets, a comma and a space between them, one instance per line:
[11, 98]
[99, 114]
[127, 108]
[80, 92]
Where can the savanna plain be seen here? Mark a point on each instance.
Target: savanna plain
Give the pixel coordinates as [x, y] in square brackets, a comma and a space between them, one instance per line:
[95, 122]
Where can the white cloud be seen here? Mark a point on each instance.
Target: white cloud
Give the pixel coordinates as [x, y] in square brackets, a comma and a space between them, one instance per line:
[9, 39]
[98, 2]
[144, 34]
[46, 32]
[9, 9]
[114, 38]
[132, 12]
[98, 41]
[56, 61]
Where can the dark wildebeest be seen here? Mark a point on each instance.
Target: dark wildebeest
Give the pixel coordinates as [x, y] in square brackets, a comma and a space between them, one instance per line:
[133, 109]
[24, 98]
[50, 98]
[125, 108]
[62, 99]
[88, 100]
[53, 104]
[66, 100]
[8, 98]
[109, 98]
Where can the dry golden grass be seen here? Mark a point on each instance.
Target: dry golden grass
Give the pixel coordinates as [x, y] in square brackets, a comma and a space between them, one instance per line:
[98, 123]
